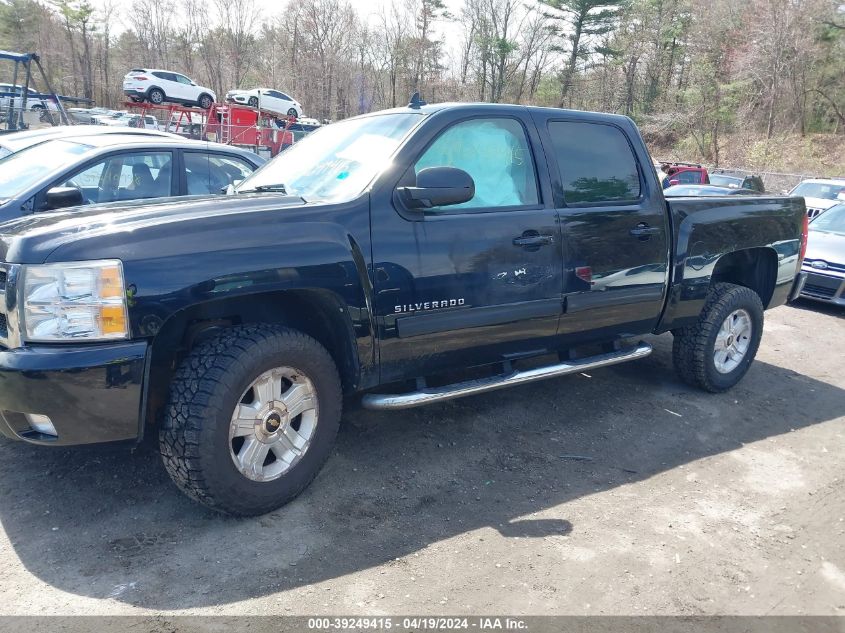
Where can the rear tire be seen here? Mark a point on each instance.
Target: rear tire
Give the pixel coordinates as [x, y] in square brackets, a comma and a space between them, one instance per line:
[716, 352]
[204, 438]
[155, 96]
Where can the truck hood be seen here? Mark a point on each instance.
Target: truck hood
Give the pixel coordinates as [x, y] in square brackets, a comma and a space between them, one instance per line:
[827, 246]
[33, 238]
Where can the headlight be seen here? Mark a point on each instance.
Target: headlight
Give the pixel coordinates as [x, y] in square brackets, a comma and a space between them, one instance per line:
[72, 301]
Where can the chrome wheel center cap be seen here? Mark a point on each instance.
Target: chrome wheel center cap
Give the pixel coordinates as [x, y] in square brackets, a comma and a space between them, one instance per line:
[271, 423]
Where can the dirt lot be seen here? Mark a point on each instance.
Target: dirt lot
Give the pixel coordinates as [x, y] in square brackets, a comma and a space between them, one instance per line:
[623, 492]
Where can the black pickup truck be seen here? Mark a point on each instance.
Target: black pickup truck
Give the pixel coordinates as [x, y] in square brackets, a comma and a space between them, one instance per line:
[379, 255]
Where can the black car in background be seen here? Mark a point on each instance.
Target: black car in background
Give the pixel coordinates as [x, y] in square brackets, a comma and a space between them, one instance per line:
[737, 180]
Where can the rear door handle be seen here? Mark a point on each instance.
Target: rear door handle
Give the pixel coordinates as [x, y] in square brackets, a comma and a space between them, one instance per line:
[644, 230]
[533, 240]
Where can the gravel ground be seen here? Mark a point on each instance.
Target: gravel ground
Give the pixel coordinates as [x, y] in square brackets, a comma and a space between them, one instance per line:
[621, 492]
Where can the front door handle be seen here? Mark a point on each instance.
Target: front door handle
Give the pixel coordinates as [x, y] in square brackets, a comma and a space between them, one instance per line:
[644, 231]
[528, 240]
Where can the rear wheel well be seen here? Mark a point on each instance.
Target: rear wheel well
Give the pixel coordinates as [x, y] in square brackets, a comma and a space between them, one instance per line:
[318, 313]
[754, 268]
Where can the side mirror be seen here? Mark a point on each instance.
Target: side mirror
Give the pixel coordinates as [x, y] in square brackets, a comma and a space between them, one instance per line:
[61, 197]
[230, 189]
[439, 187]
[674, 182]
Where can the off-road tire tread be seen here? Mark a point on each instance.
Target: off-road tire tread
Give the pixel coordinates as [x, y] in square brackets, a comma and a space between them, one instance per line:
[690, 347]
[197, 391]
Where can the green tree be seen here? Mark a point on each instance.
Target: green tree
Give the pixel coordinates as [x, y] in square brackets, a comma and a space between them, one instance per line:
[79, 21]
[19, 21]
[581, 23]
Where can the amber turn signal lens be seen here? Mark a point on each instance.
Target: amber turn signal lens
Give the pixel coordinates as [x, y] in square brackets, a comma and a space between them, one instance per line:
[111, 284]
[112, 320]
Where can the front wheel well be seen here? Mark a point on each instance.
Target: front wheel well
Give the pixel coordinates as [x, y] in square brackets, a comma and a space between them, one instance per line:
[754, 268]
[320, 314]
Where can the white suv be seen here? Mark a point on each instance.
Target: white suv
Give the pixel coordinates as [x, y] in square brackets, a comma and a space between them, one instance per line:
[820, 194]
[267, 99]
[158, 86]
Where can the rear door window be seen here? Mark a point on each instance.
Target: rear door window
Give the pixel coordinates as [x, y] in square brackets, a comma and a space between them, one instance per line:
[596, 163]
[211, 173]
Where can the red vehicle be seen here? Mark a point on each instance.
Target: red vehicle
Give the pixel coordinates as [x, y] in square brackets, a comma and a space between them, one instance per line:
[686, 173]
[247, 127]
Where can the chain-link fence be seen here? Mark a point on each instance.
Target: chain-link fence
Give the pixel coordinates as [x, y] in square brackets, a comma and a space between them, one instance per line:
[14, 118]
[775, 182]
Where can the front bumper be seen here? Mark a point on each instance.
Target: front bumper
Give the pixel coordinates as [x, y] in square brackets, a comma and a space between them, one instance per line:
[91, 393]
[829, 288]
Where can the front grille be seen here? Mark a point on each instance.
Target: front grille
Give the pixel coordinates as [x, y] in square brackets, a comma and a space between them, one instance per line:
[822, 286]
[839, 268]
[819, 291]
[8, 331]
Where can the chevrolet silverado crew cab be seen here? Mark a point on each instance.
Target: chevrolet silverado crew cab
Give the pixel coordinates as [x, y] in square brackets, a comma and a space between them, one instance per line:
[376, 256]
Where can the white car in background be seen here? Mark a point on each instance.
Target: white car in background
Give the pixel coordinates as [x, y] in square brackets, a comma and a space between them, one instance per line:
[266, 99]
[820, 194]
[35, 101]
[160, 86]
[128, 119]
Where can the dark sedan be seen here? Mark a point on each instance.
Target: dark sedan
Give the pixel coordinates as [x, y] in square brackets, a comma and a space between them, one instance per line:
[113, 167]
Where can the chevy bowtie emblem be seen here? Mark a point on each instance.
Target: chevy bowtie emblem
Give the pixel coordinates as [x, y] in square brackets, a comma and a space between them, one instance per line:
[820, 265]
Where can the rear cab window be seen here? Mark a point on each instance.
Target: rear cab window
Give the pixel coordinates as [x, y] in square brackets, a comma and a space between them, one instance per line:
[596, 163]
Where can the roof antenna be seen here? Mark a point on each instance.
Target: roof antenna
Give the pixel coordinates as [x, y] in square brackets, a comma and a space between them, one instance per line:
[416, 102]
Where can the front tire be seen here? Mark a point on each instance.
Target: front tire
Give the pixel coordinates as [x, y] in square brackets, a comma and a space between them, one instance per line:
[253, 102]
[252, 417]
[716, 352]
[292, 112]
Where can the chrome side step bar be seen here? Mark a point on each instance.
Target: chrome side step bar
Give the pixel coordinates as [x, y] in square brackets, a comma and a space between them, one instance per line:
[480, 385]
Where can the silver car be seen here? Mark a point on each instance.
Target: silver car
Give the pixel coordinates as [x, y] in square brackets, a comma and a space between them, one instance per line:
[64, 172]
[824, 262]
[16, 141]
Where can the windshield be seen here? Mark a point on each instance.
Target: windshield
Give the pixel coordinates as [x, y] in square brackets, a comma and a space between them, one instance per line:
[725, 181]
[832, 220]
[336, 162]
[21, 170]
[828, 191]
